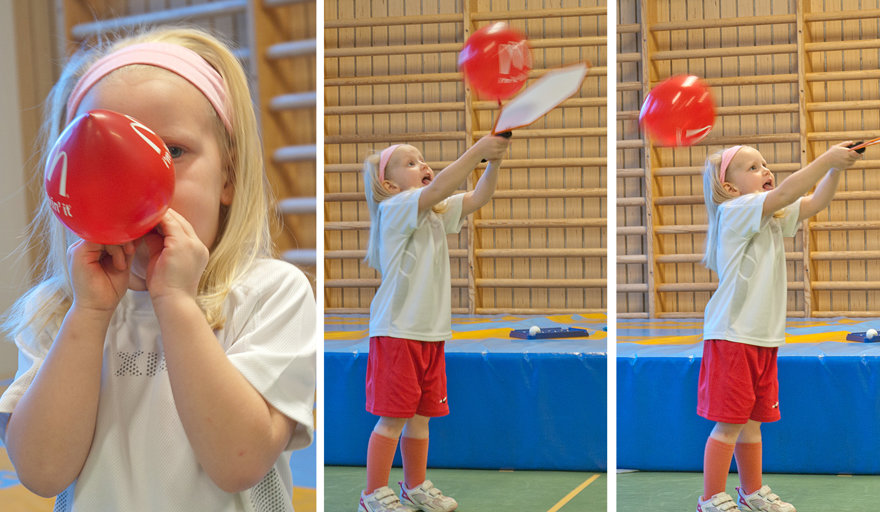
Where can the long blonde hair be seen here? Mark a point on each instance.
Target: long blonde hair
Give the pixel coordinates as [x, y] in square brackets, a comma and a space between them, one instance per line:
[713, 194]
[244, 229]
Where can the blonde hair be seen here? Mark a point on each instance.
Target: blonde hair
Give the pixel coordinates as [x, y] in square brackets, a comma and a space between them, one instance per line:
[375, 194]
[244, 228]
[713, 194]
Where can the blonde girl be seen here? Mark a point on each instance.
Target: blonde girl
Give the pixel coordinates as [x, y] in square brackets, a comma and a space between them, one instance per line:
[176, 371]
[749, 214]
[411, 212]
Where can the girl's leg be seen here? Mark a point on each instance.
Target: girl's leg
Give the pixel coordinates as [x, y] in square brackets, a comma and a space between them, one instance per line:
[717, 457]
[380, 451]
[414, 450]
[748, 457]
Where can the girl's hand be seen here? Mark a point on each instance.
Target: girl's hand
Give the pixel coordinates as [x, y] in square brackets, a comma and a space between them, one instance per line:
[99, 273]
[492, 147]
[840, 157]
[177, 258]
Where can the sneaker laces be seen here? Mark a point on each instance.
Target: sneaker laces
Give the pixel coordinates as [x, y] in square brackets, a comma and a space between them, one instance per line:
[722, 501]
[386, 497]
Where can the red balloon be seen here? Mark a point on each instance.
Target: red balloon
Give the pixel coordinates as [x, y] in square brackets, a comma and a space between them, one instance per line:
[678, 112]
[109, 177]
[496, 61]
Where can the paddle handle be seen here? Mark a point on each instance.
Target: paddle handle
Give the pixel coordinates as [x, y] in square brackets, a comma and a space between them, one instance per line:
[506, 135]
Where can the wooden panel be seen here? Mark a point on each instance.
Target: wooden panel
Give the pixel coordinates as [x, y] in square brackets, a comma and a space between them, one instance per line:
[391, 76]
[789, 78]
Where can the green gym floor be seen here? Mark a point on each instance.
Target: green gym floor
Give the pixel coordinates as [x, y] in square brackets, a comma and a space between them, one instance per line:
[483, 490]
[678, 492]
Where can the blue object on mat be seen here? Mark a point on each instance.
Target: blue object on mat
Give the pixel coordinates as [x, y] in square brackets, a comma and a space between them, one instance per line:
[828, 398]
[513, 405]
[862, 337]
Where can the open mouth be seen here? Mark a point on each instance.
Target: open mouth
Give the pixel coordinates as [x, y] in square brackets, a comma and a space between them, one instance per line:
[427, 179]
[768, 185]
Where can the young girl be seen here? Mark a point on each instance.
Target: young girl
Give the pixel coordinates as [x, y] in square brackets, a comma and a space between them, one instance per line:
[412, 211]
[745, 318]
[177, 371]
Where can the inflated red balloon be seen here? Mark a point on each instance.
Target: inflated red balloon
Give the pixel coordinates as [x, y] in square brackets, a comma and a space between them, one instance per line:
[496, 61]
[109, 177]
[678, 112]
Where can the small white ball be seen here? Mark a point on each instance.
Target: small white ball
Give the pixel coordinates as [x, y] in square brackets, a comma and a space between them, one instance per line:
[870, 334]
[533, 330]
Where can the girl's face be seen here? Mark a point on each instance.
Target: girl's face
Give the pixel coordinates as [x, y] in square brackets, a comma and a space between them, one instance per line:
[747, 173]
[406, 169]
[185, 120]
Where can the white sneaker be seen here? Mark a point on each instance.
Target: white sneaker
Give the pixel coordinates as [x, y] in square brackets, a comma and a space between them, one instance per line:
[426, 497]
[721, 502]
[382, 499]
[763, 500]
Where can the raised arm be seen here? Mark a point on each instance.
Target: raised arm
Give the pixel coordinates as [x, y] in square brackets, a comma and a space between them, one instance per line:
[447, 181]
[482, 192]
[795, 186]
[821, 197]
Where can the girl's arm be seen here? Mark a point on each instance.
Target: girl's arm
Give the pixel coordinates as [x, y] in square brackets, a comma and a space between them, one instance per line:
[447, 181]
[235, 434]
[482, 192]
[821, 197]
[50, 431]
[799, 183]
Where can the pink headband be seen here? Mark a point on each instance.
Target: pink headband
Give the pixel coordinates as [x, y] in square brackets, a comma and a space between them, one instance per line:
[383, 160]
[726, 157]
[175, 58]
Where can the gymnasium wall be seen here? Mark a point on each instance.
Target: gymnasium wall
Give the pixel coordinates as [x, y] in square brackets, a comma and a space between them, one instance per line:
[788, 77]
[390, 76]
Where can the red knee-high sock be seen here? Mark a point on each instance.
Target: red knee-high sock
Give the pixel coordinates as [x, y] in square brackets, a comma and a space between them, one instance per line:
[748, 463]
[415, 460]
[716, 466]
[380, 456]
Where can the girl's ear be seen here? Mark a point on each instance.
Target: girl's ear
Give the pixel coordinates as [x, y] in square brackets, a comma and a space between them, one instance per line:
[390, 186]
[228, 192]
[730, 188]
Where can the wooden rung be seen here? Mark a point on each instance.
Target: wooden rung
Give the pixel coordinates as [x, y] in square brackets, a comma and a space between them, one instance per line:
[540, 283]
[539, 223]
[628, 28]
[303, 257]
[289, 154]
[697, 258]
[854, 44]
[828, 76]
[548, 193]
[735, 51]
[539, 13]
[549, 133]
[841, 136]
[387, 138]
[631, 259]
[826, 314]
[678, 200]
[359, 254]
[630, 144]
[632, 287]
[293, 101]
[403, 49]
[834, 106]
[290, 49]
[423, 78]
[846, 285]
[514, 163]
[740, 80]
[709, 287]
[395, 108]
[679, 229]
[282, 3]
[838, 15]
[844, 225]
[630, 173]
[298, 205]
[631, 201]
[204, 10]
[622, 314]
[539, 311]
[374, 283]
[527, 252]
[631, 230]
[844, 255]
[629, 86]
[743, 21]
[629, 57]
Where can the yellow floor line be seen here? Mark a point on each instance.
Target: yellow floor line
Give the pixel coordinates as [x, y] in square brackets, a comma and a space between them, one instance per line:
[568, 497]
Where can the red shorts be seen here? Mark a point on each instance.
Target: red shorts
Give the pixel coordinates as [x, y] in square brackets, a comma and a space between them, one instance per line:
[738, 382]
[406, 377]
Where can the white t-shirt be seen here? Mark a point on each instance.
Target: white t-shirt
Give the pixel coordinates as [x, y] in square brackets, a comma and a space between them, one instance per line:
[749, 305]
[140, 458]
[414, 300]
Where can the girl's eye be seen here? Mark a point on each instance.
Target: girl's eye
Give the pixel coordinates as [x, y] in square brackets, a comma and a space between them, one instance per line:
[176, 152]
